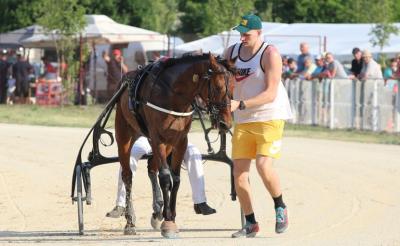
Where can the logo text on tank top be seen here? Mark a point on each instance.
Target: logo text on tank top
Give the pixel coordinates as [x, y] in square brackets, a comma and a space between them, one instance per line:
[243, 73]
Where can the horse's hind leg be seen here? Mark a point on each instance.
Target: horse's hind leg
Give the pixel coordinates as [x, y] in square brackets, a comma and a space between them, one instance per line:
[158, 203]
[124, 141]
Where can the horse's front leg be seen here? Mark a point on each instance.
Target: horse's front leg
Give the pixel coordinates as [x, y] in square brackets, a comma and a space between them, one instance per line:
[177, 158]
[156, 217]
[168, 227]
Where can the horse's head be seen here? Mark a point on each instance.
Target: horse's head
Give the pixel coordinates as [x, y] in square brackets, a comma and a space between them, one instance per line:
[218, 92]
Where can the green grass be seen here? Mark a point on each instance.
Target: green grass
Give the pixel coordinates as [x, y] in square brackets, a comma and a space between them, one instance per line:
[342, 135]
[69, 116]
[75, 116]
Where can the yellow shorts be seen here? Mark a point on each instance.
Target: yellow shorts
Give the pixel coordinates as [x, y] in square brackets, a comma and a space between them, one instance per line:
[257, 138]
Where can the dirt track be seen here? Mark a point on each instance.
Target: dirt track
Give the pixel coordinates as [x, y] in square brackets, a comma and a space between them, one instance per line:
[338, 193]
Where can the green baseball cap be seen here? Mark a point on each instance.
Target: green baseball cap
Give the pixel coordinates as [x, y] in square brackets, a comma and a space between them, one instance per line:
[249, 22]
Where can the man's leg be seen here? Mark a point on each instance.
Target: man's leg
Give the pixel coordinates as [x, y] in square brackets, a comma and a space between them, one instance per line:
[268, 175]
[139, 148]
[194, 165]
[271, 181]
[241, 168]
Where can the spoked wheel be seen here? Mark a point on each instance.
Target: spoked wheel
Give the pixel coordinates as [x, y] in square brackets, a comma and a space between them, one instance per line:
[79, 198]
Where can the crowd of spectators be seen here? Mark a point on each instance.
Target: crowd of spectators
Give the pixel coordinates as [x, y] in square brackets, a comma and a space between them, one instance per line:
[363, 66]
[18, 76]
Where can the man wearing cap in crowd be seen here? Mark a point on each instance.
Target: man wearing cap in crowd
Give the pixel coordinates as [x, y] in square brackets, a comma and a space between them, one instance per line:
[115, 69]
[319, 61]
[261, 106]
[371, 69]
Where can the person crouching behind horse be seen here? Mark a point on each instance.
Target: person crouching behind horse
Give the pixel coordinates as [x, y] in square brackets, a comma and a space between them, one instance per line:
[260, 108]
[193, 164]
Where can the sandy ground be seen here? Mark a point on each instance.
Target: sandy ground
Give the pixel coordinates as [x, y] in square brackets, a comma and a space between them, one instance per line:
[338, 193]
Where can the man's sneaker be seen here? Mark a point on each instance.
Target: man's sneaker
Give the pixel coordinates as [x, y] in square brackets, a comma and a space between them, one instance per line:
[249, 230]
[282, 221]
[204, 209]
[117, 212]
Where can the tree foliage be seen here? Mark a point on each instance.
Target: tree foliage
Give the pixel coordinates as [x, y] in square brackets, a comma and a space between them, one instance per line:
[16, 14]
[63, 21]
[203, 17]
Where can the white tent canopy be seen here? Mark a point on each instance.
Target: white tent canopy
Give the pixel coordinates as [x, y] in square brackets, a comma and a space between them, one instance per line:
[339, 39]
[217, 43]
[101, 29]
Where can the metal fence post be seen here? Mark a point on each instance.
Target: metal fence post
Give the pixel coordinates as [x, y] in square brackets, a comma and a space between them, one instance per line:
[353, 103]
[294, 95]
[332, 105]
[397, 109]
[314, 102]
[375, 107]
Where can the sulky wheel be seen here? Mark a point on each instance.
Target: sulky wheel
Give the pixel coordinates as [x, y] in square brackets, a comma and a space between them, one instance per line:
[79, 198]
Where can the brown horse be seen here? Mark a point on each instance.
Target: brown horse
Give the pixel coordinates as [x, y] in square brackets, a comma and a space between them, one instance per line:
[163, 114]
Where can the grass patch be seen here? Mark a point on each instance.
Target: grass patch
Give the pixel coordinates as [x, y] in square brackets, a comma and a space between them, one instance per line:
[77, 116]
[67, 116]
[343, 135]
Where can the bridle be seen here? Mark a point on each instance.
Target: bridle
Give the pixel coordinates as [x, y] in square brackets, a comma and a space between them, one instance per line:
[213, 106]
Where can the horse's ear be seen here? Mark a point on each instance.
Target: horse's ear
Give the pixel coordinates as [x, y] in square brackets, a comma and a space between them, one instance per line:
[213, 62]
[231, 62]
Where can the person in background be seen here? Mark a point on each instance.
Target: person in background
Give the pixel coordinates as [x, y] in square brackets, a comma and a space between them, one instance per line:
[334, 69]
[49, 70]
[21, 70]
[116, 68]
[320, 63]
[390, 74]
[304, 52]
[291, 71]
[309, 68]
[356, 63]
[285, 65]
[4, 67]
[371, 69]
[398, 65]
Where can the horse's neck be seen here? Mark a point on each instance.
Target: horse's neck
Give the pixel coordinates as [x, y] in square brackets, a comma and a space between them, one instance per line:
[193, 82]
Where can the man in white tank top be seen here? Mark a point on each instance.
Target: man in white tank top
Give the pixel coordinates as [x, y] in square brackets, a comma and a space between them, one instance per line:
[261, 106]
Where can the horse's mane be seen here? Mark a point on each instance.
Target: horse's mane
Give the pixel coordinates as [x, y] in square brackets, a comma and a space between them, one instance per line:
[192, 58]
[185, 59]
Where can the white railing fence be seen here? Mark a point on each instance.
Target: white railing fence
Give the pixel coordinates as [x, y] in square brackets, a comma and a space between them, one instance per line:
[344, 103]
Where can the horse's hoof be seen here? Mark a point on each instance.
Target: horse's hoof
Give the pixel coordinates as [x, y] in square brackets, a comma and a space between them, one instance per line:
[156, 221]
[130, 230]
[169, 230]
